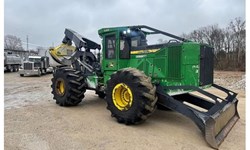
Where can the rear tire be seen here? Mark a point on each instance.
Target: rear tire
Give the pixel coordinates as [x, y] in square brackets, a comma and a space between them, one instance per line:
[130, 96]
[68, 87]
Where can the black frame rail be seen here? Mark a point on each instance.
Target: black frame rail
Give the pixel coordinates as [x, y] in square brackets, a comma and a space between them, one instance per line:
[219, 116]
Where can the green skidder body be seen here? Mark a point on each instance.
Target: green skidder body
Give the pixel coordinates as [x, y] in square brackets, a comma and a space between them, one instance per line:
[169, 64]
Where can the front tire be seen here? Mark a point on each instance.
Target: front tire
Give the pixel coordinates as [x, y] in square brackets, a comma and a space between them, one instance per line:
[68, 87]
[130, 96]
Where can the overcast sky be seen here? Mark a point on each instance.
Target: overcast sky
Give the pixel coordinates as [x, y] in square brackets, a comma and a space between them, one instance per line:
[44, 21]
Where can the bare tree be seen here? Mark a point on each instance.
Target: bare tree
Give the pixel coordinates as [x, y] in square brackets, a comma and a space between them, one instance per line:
[12, 42]
[196, 35]
[237, 27]
[228, 43]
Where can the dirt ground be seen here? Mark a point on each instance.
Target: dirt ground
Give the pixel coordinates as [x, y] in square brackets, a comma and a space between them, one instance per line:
[32, 121]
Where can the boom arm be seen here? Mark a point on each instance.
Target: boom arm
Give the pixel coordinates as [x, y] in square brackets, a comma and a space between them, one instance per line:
[79, 40]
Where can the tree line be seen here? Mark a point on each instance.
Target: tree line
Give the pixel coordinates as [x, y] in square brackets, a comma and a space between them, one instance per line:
[229, 43]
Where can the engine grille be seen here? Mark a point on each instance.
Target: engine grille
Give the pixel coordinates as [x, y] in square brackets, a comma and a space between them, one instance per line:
[174, 62]
[28, 66]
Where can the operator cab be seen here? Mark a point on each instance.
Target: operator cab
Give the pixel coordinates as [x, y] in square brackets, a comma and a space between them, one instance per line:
[131, 39]
[121, 43]
[135, 37]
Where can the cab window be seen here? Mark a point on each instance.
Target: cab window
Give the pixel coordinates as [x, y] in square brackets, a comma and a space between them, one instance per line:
[110, 47]
[124, 49]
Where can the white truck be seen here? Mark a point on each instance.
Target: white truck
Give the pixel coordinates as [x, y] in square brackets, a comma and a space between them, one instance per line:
[36, 65]
[12, 62]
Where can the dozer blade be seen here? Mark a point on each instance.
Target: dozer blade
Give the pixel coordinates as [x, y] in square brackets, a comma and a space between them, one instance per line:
[219, 125]
[214, 116]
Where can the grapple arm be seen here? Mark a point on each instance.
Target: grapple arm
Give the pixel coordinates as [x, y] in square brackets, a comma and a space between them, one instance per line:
[79, 40]
[65, 54]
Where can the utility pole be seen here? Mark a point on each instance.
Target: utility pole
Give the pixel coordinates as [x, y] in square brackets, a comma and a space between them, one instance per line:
[27, 40]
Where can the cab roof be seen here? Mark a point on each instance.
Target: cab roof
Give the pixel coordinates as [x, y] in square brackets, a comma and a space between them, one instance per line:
[103, 31]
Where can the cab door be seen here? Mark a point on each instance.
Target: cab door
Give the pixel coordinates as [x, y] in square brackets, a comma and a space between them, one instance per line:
[110, 53]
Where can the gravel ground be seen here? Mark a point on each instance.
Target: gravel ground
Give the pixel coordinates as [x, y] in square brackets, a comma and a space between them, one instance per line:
[32, 121]
[231, 80]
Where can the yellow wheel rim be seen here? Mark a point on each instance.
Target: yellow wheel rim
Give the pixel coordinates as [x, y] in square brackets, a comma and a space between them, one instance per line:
[60, 87]
[122, 97]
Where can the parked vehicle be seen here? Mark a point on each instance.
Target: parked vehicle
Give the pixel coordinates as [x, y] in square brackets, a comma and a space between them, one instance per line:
[12, 62]
[36, 65]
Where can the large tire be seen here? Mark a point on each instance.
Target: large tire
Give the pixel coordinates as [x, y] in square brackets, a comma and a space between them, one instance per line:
[68, 87]
[130, 96]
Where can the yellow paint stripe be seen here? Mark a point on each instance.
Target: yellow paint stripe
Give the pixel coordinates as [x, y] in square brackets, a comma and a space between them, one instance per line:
[144, 51]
